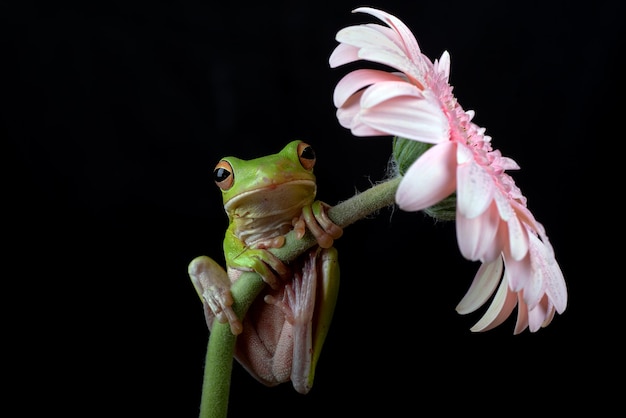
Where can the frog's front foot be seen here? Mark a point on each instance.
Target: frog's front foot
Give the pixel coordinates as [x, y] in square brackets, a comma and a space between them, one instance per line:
[213, 286]
[316, 219]
[271, 269]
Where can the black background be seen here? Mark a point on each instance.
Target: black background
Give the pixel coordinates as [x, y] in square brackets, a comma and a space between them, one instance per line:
[115, 114]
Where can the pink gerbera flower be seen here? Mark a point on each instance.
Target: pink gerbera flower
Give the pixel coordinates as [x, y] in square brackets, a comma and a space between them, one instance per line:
[493, 223]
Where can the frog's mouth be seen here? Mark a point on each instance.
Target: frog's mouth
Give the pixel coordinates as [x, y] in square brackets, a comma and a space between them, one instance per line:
[286, 199]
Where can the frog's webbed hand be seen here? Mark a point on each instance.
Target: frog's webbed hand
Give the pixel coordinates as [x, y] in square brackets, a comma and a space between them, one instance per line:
[213, 286]
[271, 269]
[316, 219]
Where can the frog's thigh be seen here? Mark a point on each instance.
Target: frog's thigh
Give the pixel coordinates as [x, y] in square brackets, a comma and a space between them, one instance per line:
[265, 348]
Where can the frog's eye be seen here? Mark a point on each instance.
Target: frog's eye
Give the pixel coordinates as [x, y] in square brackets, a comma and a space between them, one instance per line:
[223, 175]
[306, 155]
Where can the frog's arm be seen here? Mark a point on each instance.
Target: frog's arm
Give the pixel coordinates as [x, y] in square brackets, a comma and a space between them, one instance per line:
[315, 218]
[240, 257]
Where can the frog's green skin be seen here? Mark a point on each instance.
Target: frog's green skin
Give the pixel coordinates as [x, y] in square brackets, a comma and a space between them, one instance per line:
[281, 337]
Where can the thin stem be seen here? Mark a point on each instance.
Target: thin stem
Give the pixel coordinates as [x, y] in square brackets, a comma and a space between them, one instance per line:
[221, 346]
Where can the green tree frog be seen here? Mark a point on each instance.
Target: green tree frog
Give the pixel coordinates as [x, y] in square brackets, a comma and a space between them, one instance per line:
[282, 334]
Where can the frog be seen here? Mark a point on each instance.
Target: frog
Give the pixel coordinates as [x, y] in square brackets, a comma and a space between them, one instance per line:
[282, 334]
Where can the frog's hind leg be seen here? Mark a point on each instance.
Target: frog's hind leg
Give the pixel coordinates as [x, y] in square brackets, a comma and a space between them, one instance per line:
[307, 303]
[325, 301]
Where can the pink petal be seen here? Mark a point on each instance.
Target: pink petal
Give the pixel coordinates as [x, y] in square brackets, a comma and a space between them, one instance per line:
[501, 307]
[475, 189]
[518, 238]
[366, 37]
[380, 44]
[356, 80]
[349, 111]
[389, 33]
[431, 178]
[544, 262]
[410, 43]
[504, 205]
[549, 317]
[349, 116]
[556, 290]
[395, 87]
[343, 54]
[443, 65]
[538, 315]
[519, 271]
[476, 236]
[509, 164]
[522, 316]
[409, 117]
[497, 245]
[535, 287]
[487, 278]
[525, 216]
[392, 59]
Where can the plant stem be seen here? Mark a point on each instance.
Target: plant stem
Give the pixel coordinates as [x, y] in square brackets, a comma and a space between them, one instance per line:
[221, 346]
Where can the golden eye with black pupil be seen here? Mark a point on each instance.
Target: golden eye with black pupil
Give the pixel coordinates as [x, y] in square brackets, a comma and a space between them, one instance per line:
[223, 175]
[306, 154]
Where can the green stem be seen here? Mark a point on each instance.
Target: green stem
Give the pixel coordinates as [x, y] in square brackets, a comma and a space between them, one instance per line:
[219, 356]
[221, 347]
